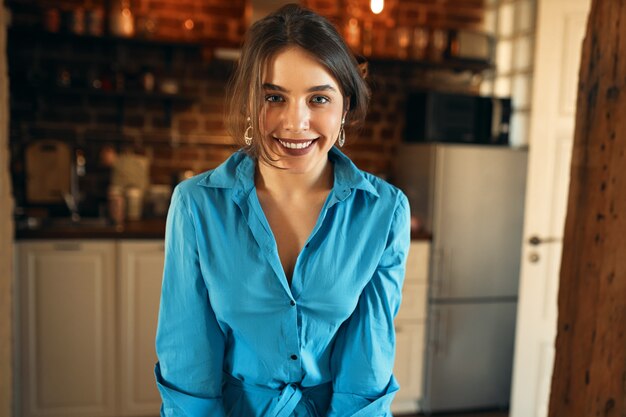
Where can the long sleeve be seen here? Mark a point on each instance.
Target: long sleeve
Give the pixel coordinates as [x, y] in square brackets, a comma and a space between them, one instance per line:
[363, 356]
[189, 341]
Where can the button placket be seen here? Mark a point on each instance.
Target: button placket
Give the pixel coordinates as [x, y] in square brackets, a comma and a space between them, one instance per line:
[292, 341]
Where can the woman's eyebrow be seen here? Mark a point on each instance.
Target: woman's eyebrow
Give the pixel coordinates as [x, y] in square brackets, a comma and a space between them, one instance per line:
[323, 87]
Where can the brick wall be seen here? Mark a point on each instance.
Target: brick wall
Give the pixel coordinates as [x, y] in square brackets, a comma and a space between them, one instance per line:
[399, 15]
[181, 132]
[389, 78]
[449, 14]
[187, 132]
[213, 20]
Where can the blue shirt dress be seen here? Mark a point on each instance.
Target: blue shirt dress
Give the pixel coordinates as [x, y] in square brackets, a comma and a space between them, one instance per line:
[235, 339]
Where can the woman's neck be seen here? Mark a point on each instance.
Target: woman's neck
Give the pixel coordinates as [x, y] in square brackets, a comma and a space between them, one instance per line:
[282, 183]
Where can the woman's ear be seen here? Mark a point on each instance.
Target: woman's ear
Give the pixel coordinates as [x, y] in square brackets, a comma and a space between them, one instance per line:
[346, 106]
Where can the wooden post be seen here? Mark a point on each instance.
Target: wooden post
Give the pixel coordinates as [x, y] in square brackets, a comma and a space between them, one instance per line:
[590, 365]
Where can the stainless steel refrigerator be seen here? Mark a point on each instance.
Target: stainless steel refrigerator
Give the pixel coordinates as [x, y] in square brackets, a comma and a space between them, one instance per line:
[471, 197]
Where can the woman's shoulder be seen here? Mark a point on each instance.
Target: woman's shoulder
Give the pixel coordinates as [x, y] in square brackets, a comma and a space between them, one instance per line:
[386, 191]
[223, 176]
[379, 189]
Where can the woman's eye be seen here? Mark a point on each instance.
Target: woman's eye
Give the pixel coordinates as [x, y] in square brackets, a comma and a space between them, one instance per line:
[273, 98]
[320, 100]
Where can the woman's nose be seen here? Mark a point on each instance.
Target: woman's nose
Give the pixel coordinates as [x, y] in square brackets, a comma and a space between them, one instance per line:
[296, 117]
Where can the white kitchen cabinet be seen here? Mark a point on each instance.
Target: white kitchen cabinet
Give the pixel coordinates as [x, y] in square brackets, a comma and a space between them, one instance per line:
[409, 352]
[140, 272]
[88, 314]
[67, 329]
[410, 326]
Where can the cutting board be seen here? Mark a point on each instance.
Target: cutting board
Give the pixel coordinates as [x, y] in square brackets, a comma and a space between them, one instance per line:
[48, 171]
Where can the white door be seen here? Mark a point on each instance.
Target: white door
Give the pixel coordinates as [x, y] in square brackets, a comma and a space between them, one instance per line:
[561, 26]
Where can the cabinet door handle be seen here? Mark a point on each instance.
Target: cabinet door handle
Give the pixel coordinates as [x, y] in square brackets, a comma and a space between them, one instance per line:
[67, 246]
[536, 240]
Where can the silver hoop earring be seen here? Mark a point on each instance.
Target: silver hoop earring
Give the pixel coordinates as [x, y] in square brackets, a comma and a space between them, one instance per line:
[341, 140]
[247, 136]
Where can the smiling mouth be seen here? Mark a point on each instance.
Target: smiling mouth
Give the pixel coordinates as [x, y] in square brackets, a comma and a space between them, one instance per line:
[296, 144]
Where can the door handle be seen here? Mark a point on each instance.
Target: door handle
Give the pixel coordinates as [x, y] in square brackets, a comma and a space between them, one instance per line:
[536, 240]
[440, 334]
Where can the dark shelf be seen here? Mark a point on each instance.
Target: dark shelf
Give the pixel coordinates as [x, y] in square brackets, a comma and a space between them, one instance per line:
[36, 34]
[450, 64]
[119, 94]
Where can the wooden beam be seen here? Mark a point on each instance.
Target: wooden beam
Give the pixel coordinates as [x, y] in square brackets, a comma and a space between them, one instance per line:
[590, 365]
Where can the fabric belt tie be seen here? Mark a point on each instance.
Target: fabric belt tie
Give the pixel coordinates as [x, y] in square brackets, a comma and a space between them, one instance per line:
[288, 397]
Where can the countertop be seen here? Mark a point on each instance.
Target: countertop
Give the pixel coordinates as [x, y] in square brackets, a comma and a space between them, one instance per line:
[140, 229]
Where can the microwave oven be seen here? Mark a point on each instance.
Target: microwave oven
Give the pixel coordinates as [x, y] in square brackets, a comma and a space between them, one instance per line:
[433, 116]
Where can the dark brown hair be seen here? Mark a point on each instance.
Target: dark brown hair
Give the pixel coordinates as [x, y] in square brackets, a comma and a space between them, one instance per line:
[291, 25]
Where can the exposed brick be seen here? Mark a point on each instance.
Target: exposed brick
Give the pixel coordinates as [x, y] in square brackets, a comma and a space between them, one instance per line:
[181, 106]
[187, 125]
[188, 154]
[102, 102]
[158, 136]
[161, 175]
[43, 131]
[216, 28]
[154, 106]
[196, 138]
[223, 11]
[172, 164]
[213, 125]
[162, 152]
[158, 122]
[374, 117]
[211, 108]
[387, 134]
[214, 139]
[134, 120]
[106, 119]
[55, 115]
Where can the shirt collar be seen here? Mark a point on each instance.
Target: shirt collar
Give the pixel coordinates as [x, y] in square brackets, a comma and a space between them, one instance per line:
[238, 172]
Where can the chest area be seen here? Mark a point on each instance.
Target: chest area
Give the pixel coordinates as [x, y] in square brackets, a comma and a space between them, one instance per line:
[240, 257]
[292, 224]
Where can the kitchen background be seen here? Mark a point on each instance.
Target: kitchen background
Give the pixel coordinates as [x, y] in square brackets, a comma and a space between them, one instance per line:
[145, 78]
[159, 91]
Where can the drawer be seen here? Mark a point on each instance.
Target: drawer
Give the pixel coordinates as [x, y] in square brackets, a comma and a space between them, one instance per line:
[413, 305]
[417, 261]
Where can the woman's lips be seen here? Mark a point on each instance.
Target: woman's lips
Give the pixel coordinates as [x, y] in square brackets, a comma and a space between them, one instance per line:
[296, 147]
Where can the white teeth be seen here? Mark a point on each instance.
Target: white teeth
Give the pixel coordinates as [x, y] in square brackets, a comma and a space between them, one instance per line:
[297, 145]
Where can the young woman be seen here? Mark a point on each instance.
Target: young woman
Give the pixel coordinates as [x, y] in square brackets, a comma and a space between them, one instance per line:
[284, 265]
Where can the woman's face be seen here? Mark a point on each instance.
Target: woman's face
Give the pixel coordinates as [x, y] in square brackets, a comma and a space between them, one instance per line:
[302, 110]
